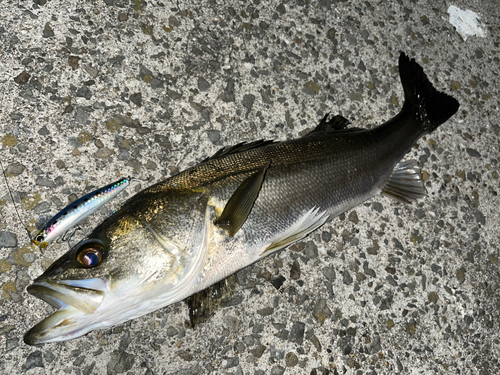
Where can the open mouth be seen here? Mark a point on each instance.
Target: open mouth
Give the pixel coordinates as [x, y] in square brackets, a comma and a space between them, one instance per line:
[74, 299]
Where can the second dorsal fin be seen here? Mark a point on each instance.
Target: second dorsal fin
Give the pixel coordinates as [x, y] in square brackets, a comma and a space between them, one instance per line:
[336, 123]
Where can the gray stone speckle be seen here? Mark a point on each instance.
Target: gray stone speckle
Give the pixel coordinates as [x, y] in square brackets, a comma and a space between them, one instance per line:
[311, 250]
[42, 207]
[203, 84]
[331, 33]
[33, 360]
[193, 370]
[329, 273]
[84, 92]
[473, 153]
[278, 281]
[156, 83]
[232, 323]
[87, 370]
[162, 141]
[104, 153]
[47, 33]
[150, 165]
[248, 100]
[43, 131]
[123, 155]
[11, 344]
[480, 218]
[295, 270]
[171, 331]
[91, 71]
[214, 136]
[59, 181]
[43, 181]
[14, 169]
[81, 116]
[346, 277]
[461, 275]
[368, 271]
[185, 355]
[227, 97]
[125, 341]
[375, 345]
[377, 206]
[144, 73]
[353, 216]
[136, 99]
[321, 310]
[277, 370]
[258, 351]
[22, 78]
[265, 96]
[120, 362]
[326, 236]
[468, 320]
[173, 94]
[232, 362]
[297, 333]
[78, 362]
[420, 214]
[265, 311]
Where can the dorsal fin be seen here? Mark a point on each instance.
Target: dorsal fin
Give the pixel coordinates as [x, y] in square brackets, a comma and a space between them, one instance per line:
[240, 147]
[336, 123]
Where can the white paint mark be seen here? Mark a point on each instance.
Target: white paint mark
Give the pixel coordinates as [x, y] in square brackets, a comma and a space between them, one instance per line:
[466, 22]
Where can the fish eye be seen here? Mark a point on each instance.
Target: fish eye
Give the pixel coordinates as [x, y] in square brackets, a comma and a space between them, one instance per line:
[39, 238]
[90, 254]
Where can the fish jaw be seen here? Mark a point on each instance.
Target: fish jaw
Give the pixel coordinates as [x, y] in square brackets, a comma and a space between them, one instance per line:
[78, 303]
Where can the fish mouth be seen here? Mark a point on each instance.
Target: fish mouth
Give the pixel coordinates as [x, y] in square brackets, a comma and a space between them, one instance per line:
[74, 300]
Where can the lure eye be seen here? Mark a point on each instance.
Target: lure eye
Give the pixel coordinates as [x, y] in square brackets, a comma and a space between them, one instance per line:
[90, 255]
[39, 238]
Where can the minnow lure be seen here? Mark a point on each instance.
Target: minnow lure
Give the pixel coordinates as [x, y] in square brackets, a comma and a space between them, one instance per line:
[75, 212]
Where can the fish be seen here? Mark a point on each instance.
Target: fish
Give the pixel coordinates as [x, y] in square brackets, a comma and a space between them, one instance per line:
[78, 210]
[196, 228]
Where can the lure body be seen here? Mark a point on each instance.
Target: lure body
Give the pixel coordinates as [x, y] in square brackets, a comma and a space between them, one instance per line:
[80, 209]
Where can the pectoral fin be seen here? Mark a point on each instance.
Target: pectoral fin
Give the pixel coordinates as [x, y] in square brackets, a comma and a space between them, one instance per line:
[241, 202]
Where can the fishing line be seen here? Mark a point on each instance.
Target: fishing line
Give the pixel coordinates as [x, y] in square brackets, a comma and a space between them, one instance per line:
[14, 203]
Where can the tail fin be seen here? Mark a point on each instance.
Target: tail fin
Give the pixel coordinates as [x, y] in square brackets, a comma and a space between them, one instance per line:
[432, 107]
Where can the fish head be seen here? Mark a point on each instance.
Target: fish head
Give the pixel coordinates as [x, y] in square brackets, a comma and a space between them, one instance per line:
[115, 275]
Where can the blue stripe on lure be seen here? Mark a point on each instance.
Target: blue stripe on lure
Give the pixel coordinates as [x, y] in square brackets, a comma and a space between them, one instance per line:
[79, 210]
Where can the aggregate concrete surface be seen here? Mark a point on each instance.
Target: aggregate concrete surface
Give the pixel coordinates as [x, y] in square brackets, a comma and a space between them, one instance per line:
[94, 90]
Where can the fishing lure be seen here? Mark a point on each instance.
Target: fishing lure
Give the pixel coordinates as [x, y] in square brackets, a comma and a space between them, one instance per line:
[75, 212]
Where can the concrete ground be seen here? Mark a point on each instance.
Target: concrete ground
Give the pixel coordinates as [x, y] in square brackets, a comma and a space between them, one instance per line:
[93, 90]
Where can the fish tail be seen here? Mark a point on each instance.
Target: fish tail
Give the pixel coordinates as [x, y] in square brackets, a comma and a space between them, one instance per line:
[430, 107]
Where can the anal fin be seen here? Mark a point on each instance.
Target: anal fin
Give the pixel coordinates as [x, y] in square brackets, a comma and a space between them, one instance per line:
[405, 183]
